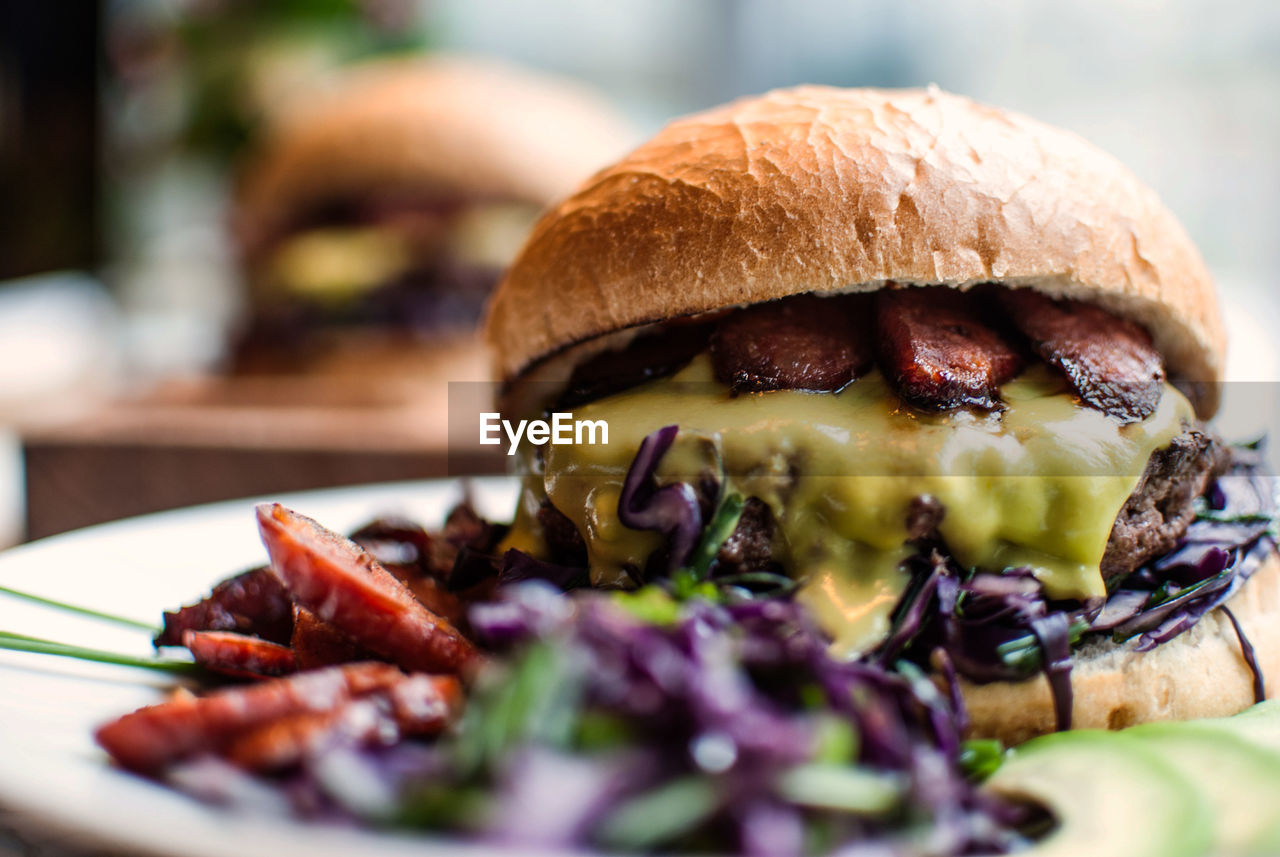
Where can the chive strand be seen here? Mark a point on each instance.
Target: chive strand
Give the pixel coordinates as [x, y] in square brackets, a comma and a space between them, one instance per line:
[83, 611]
[22, 643]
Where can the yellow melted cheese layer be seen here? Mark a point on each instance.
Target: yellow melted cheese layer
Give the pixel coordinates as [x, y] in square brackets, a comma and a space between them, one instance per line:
[1038, 484]
[340, 263]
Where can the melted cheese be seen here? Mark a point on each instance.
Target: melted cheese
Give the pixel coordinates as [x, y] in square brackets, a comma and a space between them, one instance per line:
[340, 263]
[1038, 484]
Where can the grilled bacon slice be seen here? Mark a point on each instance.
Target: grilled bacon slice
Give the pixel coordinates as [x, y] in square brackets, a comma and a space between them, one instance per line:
[337, 580]
[254, 603]
[936, 351]
[239, 655]
[652, 355]
[1109, 361]
[153, 737]
[800, 343]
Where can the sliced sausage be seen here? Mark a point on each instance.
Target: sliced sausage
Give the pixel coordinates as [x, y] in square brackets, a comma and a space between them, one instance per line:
[415, 705]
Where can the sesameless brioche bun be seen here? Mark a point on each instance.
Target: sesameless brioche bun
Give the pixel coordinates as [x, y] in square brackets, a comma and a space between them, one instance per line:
[1199, 674]
[447, 126]
[817, 189]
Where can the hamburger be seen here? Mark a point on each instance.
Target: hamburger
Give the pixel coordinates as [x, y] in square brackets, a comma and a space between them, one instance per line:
[380, 209]
[937, 371]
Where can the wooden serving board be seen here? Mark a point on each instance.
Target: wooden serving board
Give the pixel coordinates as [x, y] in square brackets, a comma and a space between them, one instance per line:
[217, 438]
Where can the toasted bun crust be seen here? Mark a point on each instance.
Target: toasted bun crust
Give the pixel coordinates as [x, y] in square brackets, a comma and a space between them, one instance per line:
[1199, 674]
[445, 125]
[816, 189]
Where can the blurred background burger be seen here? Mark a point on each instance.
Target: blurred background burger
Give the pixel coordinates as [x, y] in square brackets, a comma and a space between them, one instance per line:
[201, 298]
[379, 210]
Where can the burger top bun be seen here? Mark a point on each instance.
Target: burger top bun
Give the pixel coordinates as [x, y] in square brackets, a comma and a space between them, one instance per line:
[817, 189]
[444, 125]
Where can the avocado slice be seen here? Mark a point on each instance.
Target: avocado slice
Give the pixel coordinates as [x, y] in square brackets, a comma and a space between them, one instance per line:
[1260, 725]
[1111, 796]
[1238, 781]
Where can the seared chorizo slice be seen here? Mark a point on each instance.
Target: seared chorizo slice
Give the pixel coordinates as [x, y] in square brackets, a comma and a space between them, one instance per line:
[799, 343]
[938, 353]
[440, 601]
[414, 705]
[1109, 361]
[317, 644]
[407, 550]
[422, 704]
[287, 741]
[254, 602]
[151, 738]
[337, 580]
[238, 655]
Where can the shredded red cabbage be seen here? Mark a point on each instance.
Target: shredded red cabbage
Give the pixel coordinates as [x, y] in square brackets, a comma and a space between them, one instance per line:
[1053, 633]
[1250, 657]
[1000, 627]
[672, 510]
[738, 697]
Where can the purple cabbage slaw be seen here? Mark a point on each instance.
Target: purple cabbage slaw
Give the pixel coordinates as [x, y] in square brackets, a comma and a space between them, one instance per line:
[636, 722]
[671, 509]
[1000, 627]
[770, 745]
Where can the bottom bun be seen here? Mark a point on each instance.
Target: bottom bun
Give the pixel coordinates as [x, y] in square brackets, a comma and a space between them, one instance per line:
[1201, 673]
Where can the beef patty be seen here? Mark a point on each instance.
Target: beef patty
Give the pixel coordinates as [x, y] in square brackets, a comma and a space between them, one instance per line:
[1152, 520]
[1160, 508]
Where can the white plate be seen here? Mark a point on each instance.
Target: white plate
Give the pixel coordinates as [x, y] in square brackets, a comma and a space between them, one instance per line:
[51, 772]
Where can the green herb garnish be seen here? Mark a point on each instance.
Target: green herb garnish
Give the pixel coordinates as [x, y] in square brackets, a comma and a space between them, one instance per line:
[83, 611]
[843, 788]
[714, 535]
[980, 757]
[22, 643]
[650, 604]
[660, 815]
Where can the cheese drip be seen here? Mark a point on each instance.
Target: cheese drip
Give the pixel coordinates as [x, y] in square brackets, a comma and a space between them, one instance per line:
[1038, 484]
[342, 263]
